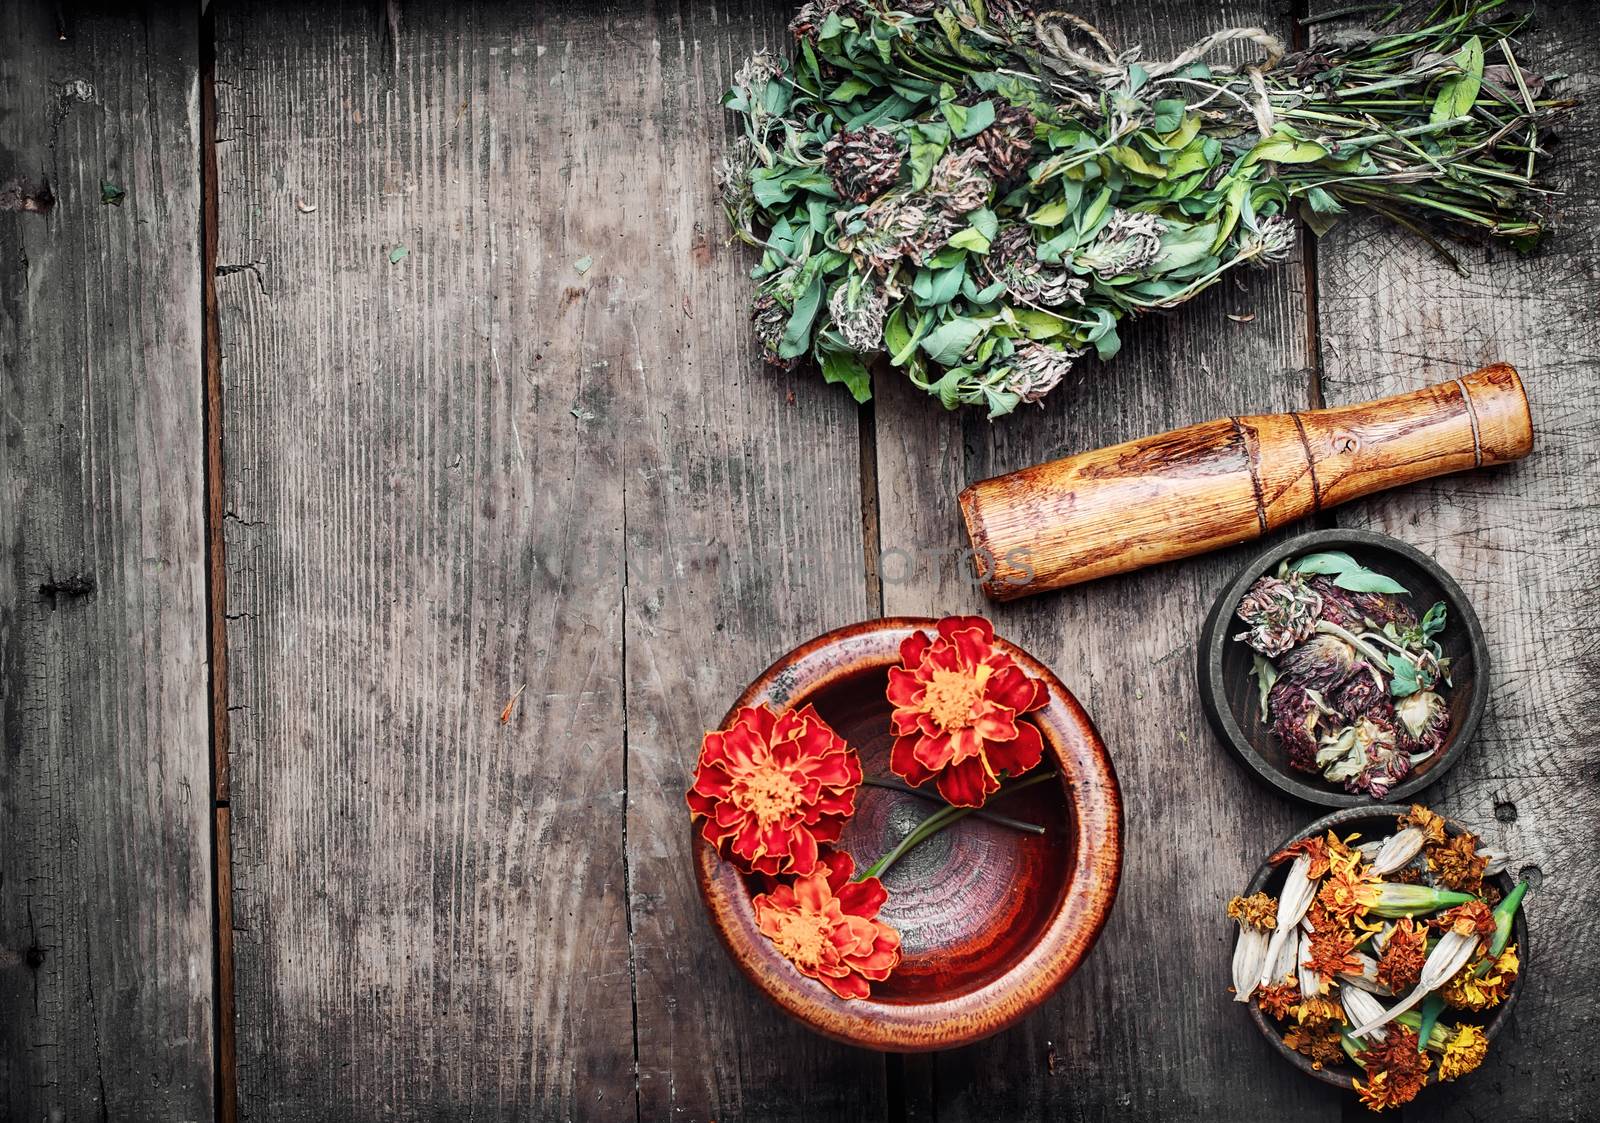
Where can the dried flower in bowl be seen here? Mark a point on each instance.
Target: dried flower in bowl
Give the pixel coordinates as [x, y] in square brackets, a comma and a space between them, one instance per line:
[1390, 980]
[958, 705]
[1351, 678]
[771, 787]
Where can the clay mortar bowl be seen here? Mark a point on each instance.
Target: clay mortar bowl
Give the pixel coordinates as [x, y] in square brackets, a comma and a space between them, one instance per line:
[992, 920]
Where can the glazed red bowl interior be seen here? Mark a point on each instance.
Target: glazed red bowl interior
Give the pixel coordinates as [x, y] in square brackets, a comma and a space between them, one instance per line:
[992, 919]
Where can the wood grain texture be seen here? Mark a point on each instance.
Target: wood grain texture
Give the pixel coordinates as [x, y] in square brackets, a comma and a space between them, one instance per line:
[1146, 1029]
[465, 470]
[1173, 495]
[743, 541]
[1524, 541]
[424, 451]
[105, 809]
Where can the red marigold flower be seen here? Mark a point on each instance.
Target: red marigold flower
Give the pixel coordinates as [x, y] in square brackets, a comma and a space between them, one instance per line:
[957, 702]
[771, 786]
[828, 926]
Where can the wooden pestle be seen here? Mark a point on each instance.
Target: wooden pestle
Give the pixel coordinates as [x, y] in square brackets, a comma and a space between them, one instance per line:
[1226, 481]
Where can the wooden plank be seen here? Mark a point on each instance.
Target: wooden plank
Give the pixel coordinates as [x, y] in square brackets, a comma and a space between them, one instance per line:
[1146, 1029]
[105, 809]
[1524, 542]
[744, 539]
[424, 410]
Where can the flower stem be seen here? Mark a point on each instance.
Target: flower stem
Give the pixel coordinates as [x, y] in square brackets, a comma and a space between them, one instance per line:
[939, 820]
[1328, 628]
[1001, 820]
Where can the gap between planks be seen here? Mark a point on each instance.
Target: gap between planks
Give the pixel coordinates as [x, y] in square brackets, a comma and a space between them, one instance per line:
[225, 1074]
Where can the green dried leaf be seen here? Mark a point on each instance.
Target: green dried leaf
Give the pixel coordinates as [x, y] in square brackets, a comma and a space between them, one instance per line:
[970, 238]
[111, 194]
[1168, 115]
[1458, 95]
[797, 333]
[1329, 561]
[949, 341]
[1285, 150]
[398, 254]
[1367, 581]
[847, 367]
[1266, 674]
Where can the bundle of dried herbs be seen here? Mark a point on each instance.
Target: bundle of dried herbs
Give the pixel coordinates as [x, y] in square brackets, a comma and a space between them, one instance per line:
[1352, 680]
[1382, 953]
[981, 193]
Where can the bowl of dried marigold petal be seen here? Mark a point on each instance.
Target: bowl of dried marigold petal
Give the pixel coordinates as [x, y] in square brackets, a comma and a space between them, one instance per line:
[1381, 950]
[907, 833]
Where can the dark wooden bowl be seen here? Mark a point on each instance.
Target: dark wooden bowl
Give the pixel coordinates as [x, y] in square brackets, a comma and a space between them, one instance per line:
[1228, 692]
[1374, 822]
[992, 920]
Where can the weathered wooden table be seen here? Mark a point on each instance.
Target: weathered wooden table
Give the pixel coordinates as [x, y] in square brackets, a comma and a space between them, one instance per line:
[318, 447]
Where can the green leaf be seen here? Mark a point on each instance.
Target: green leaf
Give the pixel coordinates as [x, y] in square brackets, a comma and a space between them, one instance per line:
[1266, 673]
[849, 90]
[1282, 149]
[1129, 157]
[797, 333]
[1331, 561]
[1037, 324]
[1366, 581]
[1458, 95]
[1184, 245]
[986, 222]
[946, 343]
[111, 194]
[1051, 214]
[847, 367]
[970, 239]
[1168, 115]
[1404, 681]
[897, 338]
[1433, 621]
[398, 254]
[979, 117]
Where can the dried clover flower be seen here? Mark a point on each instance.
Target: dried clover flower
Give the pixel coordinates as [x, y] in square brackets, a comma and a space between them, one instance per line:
[1129, 243]
[1007, 145]
[827, 925]
[1352, 610]
[736, 185]
[1013, 261]
[959, 182]
[1269, 243]
[770, 318]
[1361, 695]
[1321, 662]
[1296, 718]
[1423, 720]
[813, 13]
[1038, 369]
[863, 163]
[1281, 613]
[858, 308]
[895, 226]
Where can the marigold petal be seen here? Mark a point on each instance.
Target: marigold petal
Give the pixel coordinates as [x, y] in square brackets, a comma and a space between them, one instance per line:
[1011, 687]
[905, 688]
[803, 851]
[760, 720]
[971, 644]
[1018, 755]
[967, 783]
[850, 986]
[903, 761]
[995, 723]
[913, 647]
[934, 751]
[863, 898]
[840, 868]
[951, 626]
[964, 745]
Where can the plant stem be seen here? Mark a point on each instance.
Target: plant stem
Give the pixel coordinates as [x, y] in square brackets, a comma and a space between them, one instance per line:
[1328, 628]
[936, 822]
[1002, 820]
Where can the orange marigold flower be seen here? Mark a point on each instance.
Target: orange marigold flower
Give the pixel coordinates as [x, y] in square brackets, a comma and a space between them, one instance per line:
[1333, 947]
[1323, 853]
[1320, 1042]
[1455, 863]
[1483, 983]
[1396, 1069]
[1347, 894]
[1400, 966]
[1259, 911]
[1316, 1011]
[1279, 1000]
[828, 927]
[1472, 918]
[771, 787]
[1431, 825]
[1464, 1052]
[957, 704]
